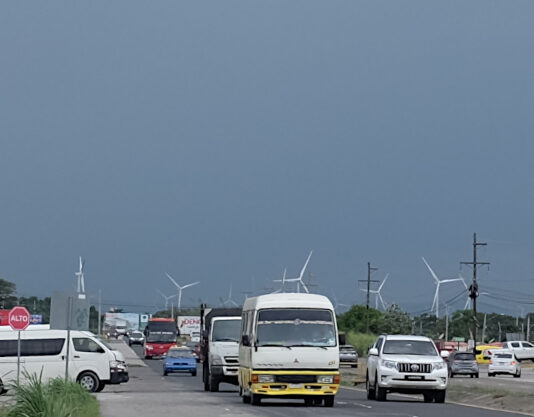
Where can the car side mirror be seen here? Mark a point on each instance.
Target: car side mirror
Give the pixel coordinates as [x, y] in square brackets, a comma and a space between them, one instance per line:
[373, 352]
[444, 354]
[342, 339]
[245, 341]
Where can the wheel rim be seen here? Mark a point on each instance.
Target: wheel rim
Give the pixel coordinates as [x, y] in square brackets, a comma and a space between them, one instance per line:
[87, 382]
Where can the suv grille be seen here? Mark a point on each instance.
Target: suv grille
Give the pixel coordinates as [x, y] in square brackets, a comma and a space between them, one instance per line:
[295, 379]
[416, 368]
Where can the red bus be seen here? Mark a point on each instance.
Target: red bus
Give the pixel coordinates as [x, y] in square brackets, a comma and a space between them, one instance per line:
[160, 335]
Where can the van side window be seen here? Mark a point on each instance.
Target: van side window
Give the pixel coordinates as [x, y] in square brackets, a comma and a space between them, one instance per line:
[250, 327]
[84, 344]
[34, 347]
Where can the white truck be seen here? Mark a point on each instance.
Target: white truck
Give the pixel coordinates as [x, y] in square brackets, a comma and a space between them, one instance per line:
[522, 349]
[289, 349]
[219, 346]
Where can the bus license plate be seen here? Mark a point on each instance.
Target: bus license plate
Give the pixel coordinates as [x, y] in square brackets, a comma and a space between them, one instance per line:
[295, 386]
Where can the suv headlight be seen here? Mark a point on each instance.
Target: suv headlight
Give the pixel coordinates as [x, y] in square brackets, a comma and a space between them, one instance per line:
[325, 379]
[265, 378]
[215, 359]
[389, 364]
[439, 365]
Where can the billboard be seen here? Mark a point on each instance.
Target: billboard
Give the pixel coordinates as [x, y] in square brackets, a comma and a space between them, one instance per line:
[130, 320]
[36, 319]
[189, 325]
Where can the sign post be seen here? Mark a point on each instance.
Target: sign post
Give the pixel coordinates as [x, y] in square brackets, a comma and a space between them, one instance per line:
[19, 319]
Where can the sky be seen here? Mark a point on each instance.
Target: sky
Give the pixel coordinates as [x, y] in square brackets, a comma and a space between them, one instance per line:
[222, 141]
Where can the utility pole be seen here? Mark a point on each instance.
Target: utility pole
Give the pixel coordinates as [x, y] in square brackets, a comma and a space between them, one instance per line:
[473, 288]
[99, 310]
[528, 327]
[447, 324]
[484, 329]
[368, 280]
[500, 331]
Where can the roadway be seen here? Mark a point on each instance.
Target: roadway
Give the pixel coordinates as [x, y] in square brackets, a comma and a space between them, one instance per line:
[149, 393]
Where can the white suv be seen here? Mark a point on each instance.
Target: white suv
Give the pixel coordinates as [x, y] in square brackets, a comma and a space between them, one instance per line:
[406, 364]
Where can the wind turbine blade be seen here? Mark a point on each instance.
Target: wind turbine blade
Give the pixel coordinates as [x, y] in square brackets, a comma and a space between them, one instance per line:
[304, 285]
[430, 269]
[467, 303]
[160, 293]
[190, 285]
[284, 276]
[383, 282]
[304, 269]
[451, 280]
[465, 284]
[172, 280]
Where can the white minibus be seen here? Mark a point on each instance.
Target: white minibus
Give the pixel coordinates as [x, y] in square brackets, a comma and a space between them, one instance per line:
[289, 349]
[92, 363]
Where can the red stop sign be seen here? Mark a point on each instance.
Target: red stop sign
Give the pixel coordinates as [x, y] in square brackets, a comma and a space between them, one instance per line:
[19, 318]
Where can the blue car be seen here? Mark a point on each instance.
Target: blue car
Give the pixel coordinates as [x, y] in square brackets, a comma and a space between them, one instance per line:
[180, 359]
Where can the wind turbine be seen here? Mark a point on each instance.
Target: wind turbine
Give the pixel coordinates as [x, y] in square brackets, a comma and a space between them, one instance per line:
[377, 294]
[79, 274]
[298, 280]
[435, 303]
[229, 299]
[166, 298]
[283, 281]
[336, 304]
[180, 289]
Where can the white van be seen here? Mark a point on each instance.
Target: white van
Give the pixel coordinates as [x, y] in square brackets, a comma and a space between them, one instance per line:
[92, 363]
[289, 349]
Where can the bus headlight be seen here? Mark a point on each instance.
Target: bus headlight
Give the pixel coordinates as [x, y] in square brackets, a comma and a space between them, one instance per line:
[265, 378]
[325, 379]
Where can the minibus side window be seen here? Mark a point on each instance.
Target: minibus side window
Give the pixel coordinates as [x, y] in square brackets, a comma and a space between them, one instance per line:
[33, 347]
[84, 344]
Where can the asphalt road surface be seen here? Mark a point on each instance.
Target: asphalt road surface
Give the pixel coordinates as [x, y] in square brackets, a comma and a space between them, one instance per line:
[149, 393]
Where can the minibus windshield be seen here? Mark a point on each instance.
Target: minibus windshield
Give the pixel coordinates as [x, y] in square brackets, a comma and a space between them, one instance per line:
[296, 327]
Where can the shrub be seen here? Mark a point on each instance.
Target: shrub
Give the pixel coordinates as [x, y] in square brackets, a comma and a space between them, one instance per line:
[360, 341]
[55, 398]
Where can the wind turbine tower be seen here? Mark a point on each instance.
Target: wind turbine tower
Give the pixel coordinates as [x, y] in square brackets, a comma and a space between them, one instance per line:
[79, 275]
[377, 294]
[180, 289]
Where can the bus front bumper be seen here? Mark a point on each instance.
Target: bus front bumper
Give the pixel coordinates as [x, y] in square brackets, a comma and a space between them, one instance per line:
[295, 384]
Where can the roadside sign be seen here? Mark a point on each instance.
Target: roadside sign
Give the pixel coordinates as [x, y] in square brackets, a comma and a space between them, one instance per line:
[19, 318]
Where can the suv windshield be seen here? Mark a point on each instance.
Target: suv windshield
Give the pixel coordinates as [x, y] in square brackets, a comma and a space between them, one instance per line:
[409, 347]
[296, 327]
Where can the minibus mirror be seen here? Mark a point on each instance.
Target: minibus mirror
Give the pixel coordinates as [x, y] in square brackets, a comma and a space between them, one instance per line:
[342, 339]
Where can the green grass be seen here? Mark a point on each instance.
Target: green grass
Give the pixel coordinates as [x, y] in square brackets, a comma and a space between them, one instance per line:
[360, 341]
[55, 398]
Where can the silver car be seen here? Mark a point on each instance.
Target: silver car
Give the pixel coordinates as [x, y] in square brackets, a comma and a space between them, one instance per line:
[504, 362]
[462, 363]
[348, 355]
[136, 337]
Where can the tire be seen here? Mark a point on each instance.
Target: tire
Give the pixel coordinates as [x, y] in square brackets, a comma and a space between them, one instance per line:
[329, 401]
[255, 399]
[308, 402]
[148, 357]
[194, 373]
[472, 375]
[89, 381]
[439, 396]
[428, 397]
[490, 374]
[165, 373]
[381, 394]
[476, 375]
[129, 343]
[100, 386]
[317, 401]
[246, 399]
[214, 384]
[371, 392]
[517, 374]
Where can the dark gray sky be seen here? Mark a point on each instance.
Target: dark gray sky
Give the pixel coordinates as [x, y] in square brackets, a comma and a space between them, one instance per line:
[221, 141]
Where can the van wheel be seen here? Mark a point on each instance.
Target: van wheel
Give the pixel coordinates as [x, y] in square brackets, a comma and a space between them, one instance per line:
[255, 399]
[517, 374]
[194, 373]
[100, 386]
[214, 384]
[89, 381]
[329, 401]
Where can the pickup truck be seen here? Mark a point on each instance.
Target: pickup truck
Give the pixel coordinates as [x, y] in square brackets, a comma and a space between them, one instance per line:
[522, 349]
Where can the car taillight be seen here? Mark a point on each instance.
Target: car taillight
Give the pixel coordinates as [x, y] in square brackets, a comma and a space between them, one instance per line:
[512, 363]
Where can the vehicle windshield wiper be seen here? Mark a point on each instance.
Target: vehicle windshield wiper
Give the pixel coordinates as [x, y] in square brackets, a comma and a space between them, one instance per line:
[303, 345]
[274, 344]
